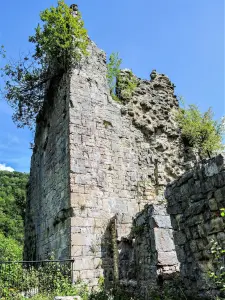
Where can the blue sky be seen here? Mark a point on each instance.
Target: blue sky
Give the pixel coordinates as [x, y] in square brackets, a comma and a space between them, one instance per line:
[181, 38]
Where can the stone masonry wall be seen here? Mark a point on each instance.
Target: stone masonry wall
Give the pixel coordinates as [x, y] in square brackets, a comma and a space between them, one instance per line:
[119, 160]
[47, 226]
[194, 203]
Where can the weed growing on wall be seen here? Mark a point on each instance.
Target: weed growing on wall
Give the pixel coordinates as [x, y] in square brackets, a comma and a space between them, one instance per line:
[200, 131]
[126, 85]
[121, 86]
[113, 69]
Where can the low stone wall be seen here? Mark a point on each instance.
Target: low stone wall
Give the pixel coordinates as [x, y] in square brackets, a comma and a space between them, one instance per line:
[194, 203]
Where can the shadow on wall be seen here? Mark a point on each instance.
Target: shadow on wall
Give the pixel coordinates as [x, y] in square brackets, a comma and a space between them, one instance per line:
[143, 258]
[194, 203]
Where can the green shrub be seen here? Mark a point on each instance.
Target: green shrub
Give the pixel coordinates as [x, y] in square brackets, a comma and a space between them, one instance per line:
[10, 249]
[121, 87]
[126, 85]
[51, 279]
[200, 131]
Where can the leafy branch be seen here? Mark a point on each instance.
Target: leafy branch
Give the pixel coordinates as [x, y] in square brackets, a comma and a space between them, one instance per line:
[60, 42]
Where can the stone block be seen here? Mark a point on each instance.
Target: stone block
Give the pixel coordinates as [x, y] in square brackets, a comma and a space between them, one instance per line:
[82, 222]
[215, 165]
[160, 221]
[141, 219]
[181, 254]
[158, 209]
[216, 225]
[100, 223]
[163, 239]
[76, 251]
[194, 220]
[221, 237]
[179, 238]
[76, 189]
[213, 204]
[84, 263]
[87, 274]
[79, 200]
[78, 239]
[202, 231]
[124, 218]
[167, 258]
[220, 195]
[175, 209]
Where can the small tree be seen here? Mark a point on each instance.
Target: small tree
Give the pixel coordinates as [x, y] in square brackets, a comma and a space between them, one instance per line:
[113, 69]
[60, 42]
[200, 131]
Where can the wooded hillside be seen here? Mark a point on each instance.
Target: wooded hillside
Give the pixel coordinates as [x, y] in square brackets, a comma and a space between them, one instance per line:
[12, 212]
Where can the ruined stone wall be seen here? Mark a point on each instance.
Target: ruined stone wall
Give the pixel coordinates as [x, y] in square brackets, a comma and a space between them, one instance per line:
[96, 159]
[147, 256]
[47, 226]
[194, 203]
[121, 157]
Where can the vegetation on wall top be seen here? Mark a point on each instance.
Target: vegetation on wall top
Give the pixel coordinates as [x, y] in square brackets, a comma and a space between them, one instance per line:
[60, 41]
[113, 70]
[200, 131]
[126, 85]
[121, 87]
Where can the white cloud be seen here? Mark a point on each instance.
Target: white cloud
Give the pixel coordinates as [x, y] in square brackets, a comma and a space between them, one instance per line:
[4, 168]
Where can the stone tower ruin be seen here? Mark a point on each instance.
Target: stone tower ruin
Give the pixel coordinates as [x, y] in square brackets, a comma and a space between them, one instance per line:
[96, 161]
